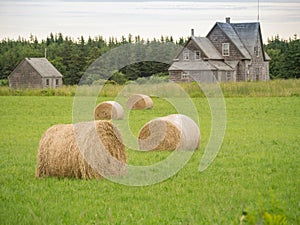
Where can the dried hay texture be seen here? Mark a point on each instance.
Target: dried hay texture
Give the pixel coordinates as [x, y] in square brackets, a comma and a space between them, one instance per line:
[84, 150]
[169, 133]
[108, 110]
[139, 101]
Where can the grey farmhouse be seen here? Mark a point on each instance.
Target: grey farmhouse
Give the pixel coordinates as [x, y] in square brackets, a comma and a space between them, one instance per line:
[35, 73]
[230, 52]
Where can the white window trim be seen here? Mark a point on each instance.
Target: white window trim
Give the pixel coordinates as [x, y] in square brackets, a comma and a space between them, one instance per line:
[196, 55]
[186, 53]
[184, 75]
[225, 48]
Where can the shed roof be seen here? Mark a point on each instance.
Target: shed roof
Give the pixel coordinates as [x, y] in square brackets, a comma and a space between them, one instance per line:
[189, 66]
[207, 47]
[220, 65]
[201, 65]
[44, 67]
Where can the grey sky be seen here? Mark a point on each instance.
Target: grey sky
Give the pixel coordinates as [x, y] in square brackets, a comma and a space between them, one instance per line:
[147, 19]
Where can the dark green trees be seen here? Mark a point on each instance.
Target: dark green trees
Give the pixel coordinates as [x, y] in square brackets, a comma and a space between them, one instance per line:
[285, 57]
[73, 57]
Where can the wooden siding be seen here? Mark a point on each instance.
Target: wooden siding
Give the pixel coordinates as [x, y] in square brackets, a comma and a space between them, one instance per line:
[206, 76]
[217, 37]
[24, 76]
[258, 69]
[246, 64]
[191, 48]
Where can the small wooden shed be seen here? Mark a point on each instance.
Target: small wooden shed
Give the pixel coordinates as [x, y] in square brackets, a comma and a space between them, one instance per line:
[35, 73]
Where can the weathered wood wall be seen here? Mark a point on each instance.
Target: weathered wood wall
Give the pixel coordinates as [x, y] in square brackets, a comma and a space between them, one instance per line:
[24, 76]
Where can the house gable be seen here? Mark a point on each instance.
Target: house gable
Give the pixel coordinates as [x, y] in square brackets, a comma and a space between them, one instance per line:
[223, 33]
[199, 44]
[189, 48]
[25, 76]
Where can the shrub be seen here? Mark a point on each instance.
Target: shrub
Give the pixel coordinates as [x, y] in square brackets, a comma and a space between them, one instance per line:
[118, 77]
[3, 82]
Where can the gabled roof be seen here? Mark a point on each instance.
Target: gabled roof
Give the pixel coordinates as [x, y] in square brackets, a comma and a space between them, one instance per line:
[44, 67]
[244, 36]
[207, 47]
[248, 33]
[230, 32]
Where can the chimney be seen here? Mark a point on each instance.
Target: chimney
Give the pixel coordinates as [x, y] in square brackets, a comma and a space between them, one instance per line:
[227, 19]
[192, 32]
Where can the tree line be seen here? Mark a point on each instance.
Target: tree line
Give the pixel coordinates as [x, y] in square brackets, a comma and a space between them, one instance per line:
[285, 57]
[73, 57]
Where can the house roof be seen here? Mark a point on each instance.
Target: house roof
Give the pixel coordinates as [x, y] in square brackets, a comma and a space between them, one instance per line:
[189, 66]
[248, 33]
[231, 33]
[201, 65]
[244, 36]
[220, 65]
[207, 47]
[44, 67]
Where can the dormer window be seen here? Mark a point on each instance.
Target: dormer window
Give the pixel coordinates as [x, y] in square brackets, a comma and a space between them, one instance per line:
[186, 55]
[197, 55]
[225, 49]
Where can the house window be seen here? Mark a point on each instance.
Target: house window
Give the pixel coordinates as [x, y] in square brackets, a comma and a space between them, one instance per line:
[47, 82]
[225, 49]
[256, 51]
[56, 82]
[257, 71]
[184, 75]
[186, 55]
[228, 75]
[197, 55]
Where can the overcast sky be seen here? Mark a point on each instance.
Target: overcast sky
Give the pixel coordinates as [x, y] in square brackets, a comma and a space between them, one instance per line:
[145, 18]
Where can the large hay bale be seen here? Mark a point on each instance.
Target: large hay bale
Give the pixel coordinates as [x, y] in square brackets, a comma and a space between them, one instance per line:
[139, 101]
[169, 133]
[84, 150]
[108, 110]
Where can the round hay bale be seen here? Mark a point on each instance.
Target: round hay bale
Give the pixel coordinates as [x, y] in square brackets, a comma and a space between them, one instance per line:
[101, 151]
[169, 133]
[108, 110]
[139, 101]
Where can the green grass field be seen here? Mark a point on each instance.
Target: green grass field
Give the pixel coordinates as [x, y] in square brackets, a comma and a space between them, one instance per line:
[256, 171]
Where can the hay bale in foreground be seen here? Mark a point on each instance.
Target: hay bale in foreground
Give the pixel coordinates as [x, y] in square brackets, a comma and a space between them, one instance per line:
[83, 150]
[169, 133]
[139, 101]
[108, 110]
